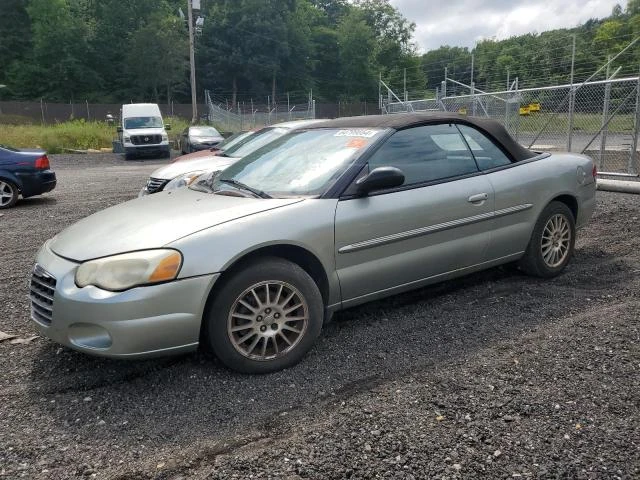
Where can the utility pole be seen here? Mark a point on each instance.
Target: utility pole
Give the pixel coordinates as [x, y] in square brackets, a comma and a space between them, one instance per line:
[406, 96]
[446, 79]
[380, 91]
[192, 61]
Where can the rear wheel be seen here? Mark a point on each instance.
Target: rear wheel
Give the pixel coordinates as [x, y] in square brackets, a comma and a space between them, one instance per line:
[8, 194]
[552, 242]
[265, 318]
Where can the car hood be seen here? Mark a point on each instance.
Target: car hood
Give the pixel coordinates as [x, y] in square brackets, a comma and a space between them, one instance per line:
[206, 139]
[207, 163]
[198, 154]
[154, 221]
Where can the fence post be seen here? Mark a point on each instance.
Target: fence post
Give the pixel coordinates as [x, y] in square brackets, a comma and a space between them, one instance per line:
[572, 96]
[42, 110]
[517, 110]
[636, 132]
[605, 116]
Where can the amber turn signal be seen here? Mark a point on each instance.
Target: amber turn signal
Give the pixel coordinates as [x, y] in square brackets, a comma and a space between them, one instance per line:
[167, 269]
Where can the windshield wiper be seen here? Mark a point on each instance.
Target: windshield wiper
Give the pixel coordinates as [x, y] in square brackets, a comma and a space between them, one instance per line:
[242, 186]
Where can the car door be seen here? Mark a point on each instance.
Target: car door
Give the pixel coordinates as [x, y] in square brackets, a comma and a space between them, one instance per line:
[517, 188]
[433, 224]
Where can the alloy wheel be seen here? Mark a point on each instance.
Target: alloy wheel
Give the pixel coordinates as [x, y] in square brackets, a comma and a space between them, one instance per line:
[6, 194]
[556, 240]
[268, 320]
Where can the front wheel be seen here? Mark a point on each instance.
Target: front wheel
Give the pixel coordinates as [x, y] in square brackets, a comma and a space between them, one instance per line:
[265, 318]
[552, 242]
[8, 194]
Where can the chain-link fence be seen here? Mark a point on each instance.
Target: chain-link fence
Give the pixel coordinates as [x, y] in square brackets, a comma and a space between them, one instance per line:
[46, 113]
[249, 116]
[600, 119]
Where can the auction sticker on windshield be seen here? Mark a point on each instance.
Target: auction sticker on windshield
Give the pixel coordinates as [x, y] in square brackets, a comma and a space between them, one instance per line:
[356, 132]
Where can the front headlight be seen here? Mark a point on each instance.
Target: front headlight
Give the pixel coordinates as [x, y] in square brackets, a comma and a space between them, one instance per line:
[183, 180]
[165, 137]
[127, 139]
[121, 272]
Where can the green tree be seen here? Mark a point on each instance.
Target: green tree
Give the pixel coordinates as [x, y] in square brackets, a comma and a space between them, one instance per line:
[157, 57]
[57, 65]
[356, 51]
[15, 33]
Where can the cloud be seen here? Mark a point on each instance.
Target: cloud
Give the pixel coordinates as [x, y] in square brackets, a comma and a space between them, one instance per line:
[465, 22]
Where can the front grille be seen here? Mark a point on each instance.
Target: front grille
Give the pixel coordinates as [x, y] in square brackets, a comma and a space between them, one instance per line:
[146, 139]
[155, 185]
[41, 290]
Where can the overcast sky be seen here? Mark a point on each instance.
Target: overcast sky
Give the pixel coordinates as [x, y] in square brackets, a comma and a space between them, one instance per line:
[463, 22]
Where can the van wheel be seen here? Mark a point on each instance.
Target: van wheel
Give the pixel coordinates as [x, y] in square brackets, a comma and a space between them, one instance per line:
[265, 318]
[9, 194]
[552, 242]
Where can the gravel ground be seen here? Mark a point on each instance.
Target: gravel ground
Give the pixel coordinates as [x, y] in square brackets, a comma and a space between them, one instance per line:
[496, 375]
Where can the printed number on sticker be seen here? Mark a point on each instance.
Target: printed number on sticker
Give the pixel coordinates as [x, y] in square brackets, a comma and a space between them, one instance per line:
[357, 132]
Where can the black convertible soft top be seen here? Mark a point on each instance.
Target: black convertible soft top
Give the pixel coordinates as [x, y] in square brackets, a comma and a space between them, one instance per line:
[399, 121]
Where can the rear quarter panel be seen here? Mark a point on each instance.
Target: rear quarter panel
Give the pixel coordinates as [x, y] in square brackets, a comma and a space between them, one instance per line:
[536, 183]
[15, 164]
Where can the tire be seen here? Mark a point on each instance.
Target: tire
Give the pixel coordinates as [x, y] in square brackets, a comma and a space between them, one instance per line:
[552, 242]
[129, 156]
[269, 342]
[9, 194]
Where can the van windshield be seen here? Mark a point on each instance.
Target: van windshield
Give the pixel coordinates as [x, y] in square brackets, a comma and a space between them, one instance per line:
[132, 123]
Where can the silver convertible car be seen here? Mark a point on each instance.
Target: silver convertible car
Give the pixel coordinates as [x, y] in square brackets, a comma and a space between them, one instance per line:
[251, 261]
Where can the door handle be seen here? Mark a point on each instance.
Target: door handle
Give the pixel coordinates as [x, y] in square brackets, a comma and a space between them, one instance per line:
[478, 198]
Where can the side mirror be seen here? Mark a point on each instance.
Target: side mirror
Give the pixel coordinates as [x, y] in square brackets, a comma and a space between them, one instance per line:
[167, 127]
[119, 129]
[379, 179]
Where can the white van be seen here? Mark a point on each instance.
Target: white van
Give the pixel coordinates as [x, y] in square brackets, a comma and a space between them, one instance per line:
[142, 131]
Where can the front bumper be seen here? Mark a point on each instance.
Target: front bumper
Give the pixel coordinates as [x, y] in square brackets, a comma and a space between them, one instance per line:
[37, 183]
[141, 150]
[197, 147]
[142, 322]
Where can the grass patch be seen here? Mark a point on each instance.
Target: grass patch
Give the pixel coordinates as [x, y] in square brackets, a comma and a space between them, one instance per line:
[73, 135]
[582, 122]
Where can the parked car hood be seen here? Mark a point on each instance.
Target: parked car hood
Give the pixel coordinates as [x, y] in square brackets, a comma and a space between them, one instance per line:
[199, 154]
[154, 221]
[208, 138]
[207, 163]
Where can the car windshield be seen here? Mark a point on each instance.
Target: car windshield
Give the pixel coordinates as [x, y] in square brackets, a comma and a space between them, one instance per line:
[301, 163]
[257, 140]
[133, 123]
[204, 132]
[234, 139]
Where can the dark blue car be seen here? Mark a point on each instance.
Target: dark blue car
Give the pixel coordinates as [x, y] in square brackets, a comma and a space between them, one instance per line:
[25, 173]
